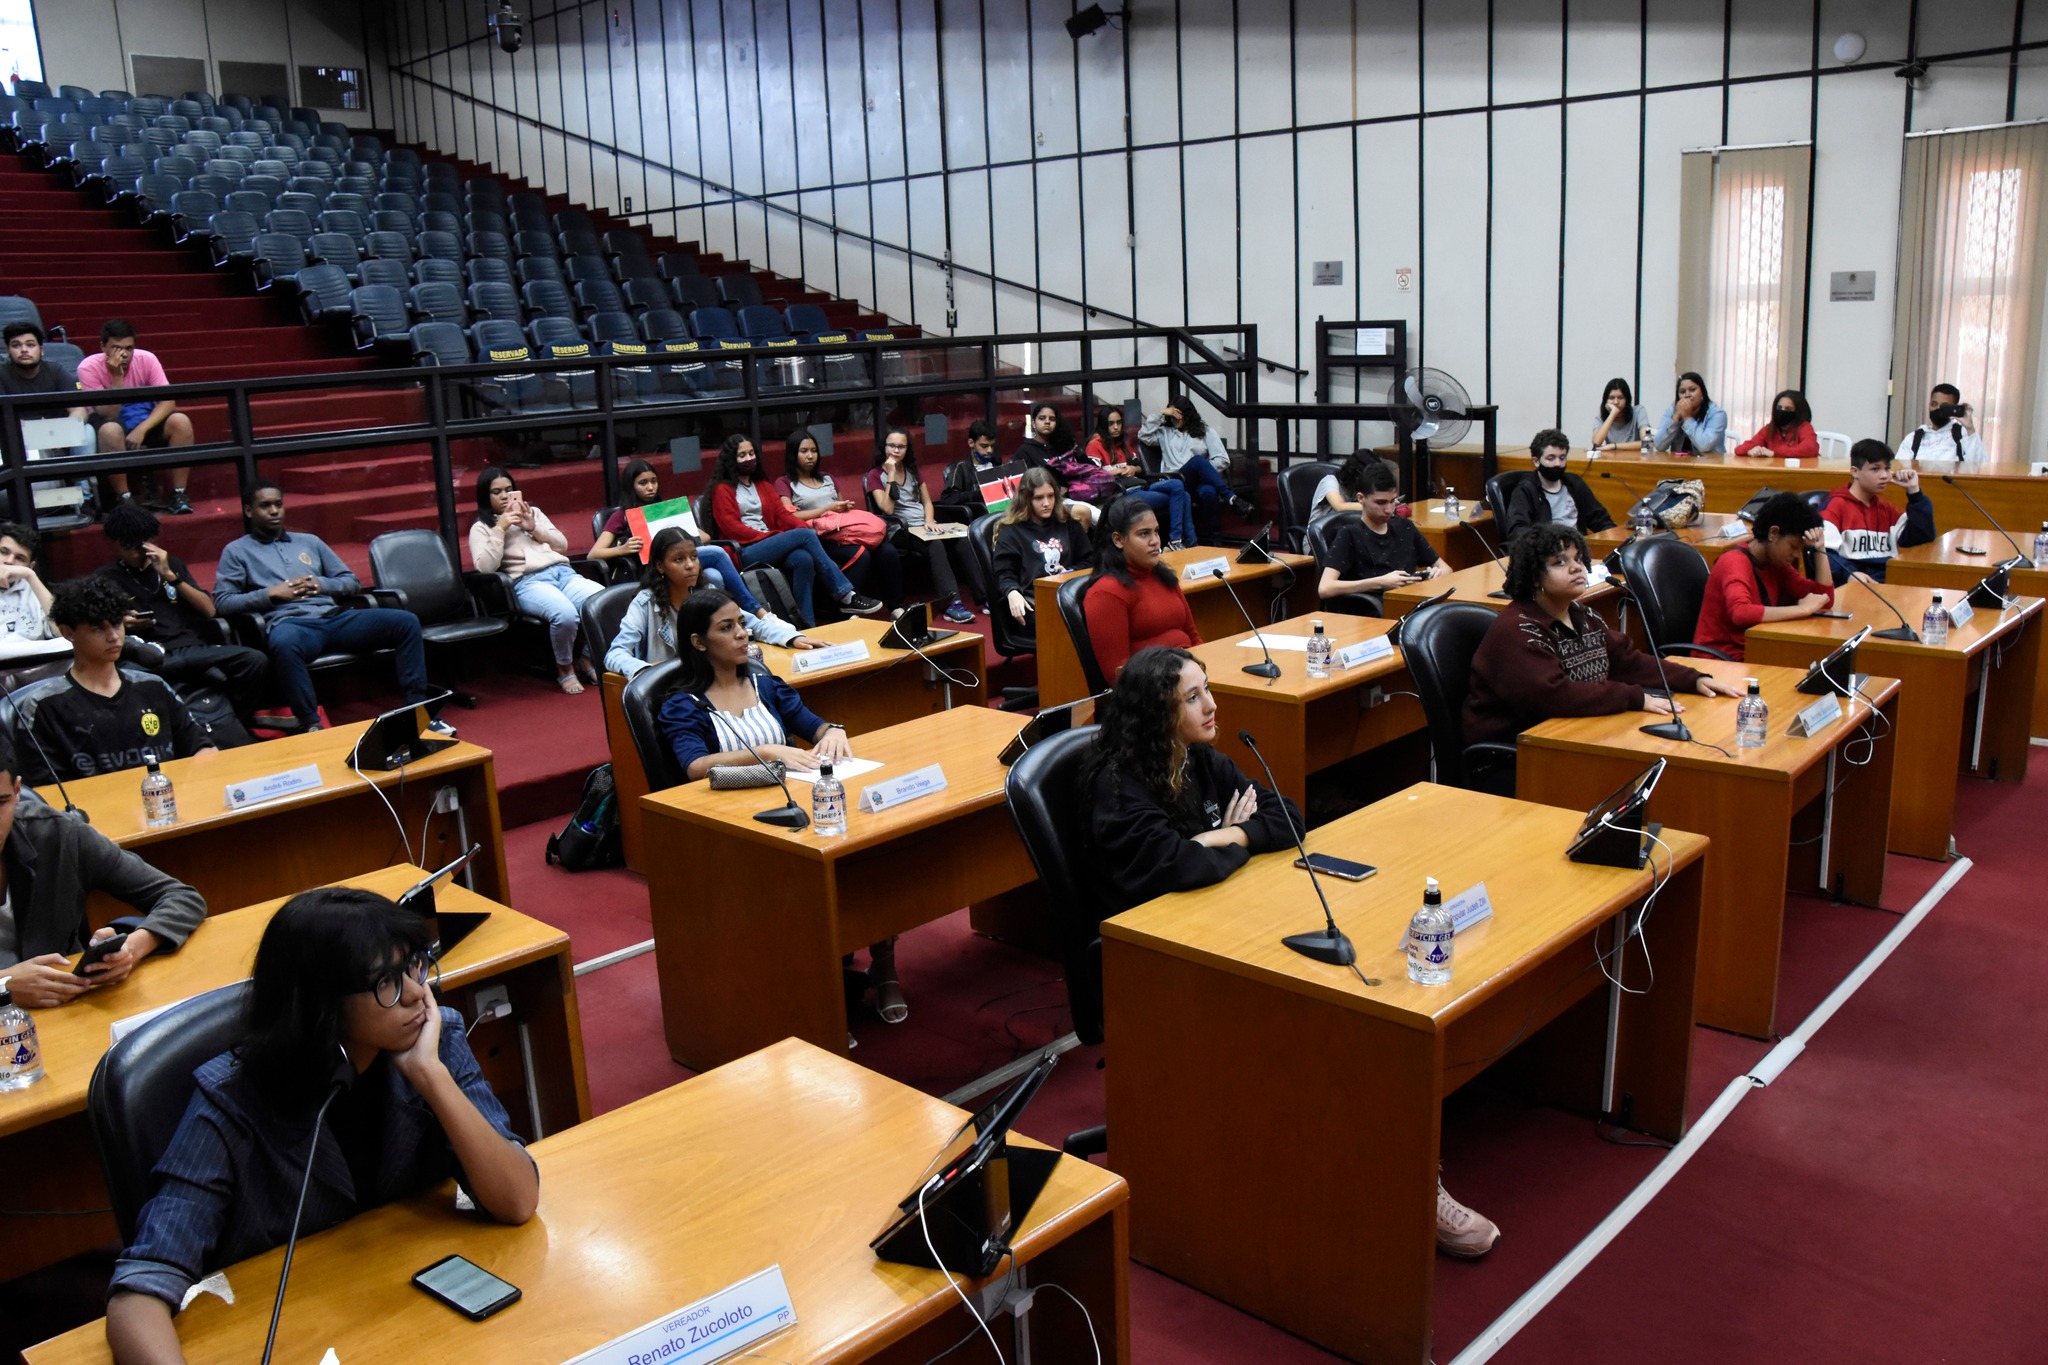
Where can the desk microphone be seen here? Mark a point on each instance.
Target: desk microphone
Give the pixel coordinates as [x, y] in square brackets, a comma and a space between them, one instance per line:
[1665, 729]
[344, 1077]
[55, 775]
[1640, 501]
[789, 815]
[1903, 630]
[1268, 669]
[1473, 526]
[1331, 945]
[2024, 559]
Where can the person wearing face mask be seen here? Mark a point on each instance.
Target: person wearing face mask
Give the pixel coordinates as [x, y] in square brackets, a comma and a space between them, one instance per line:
[1694, 424]
[1554, 494]
[1789, 434]
[1549, 655]
[1863, 529]
[1950, 431]
[1135, 601]
[745, 510]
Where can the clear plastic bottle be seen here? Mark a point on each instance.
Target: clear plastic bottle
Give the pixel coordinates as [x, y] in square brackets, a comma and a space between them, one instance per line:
[1452, 510]
[1319, 653]
[1934, 625]
[1429, 939]
[2041, 547]
[1752, 719]
[159, 801]
[21, 1055]
[828, 802]
[755, 656]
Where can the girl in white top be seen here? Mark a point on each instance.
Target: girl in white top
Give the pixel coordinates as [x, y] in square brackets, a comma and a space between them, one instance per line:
[1188, 447]
[647, 632]
[518, 540]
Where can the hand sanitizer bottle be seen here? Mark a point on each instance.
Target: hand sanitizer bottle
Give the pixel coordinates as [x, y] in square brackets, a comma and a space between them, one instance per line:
[1934, 625]
[828, 802]
[1319, 653]
[1429, 939]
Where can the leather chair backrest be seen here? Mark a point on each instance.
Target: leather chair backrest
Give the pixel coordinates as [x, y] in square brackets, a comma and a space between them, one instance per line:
[1499, 489]
[417, 563]
[1002, 630]
[1052, 808]
[1669, 579]
[601, 616]
[1438, 643]
[641, 704]
[140, 1089]
[1296, 485]
[1074, 615]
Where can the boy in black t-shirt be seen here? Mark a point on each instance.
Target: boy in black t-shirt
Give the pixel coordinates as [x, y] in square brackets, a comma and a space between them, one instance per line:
[1381, 550]
[102, 720]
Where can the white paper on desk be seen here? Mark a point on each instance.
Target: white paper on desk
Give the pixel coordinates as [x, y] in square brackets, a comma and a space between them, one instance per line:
[1297, 643]
[842, 768]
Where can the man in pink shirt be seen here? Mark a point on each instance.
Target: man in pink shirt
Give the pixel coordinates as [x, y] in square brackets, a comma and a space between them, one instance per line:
[134, 426]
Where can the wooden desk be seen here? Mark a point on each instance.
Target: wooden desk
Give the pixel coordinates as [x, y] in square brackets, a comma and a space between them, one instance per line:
[1747, 801]
[1993, 661]
[1462, 541]
[750, 920]
[1943, 564]
[1475, 585]
[43, 1130]
[1304, 724]
[1059, 668]
[1709, 535]
[316, 837]
[1279, 1121]
[788, 1157]
[889, 687]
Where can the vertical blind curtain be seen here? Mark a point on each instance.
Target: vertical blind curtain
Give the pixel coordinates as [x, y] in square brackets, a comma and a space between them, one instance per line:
[1742, 275]
[1971, 272]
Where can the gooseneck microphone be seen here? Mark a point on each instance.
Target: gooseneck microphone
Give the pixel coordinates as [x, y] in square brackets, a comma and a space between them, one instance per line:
[344, 1077]
[1492, 550]
[789, 815]
[2024, 559]
[1331, 945]
[1610, 474]
[1268, 669]
[1664, 729]
[1903, 630]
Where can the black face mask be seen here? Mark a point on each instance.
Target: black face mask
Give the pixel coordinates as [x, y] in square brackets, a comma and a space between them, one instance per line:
[1942, 415]
[1785, 420]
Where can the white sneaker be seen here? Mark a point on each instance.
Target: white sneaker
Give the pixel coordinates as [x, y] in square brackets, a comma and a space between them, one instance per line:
[1459, 1231]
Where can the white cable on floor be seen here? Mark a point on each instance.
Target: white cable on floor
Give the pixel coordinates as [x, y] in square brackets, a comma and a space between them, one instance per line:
[1772, 1065]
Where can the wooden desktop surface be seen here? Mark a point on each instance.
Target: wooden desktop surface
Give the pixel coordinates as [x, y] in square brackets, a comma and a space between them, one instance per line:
[1305, 724]
[1712, 535]
[238, 857]
[1463, 540]
[750, 919]
[1995, 655]
[788, 1157]
[1241, 1067]
[1476, 584]
[42, 1128]
[1946, 563]
[888, 687]
[1059, 668]
[1748, 801]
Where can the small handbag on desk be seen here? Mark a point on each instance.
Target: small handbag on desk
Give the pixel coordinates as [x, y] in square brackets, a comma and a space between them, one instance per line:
[769, 774]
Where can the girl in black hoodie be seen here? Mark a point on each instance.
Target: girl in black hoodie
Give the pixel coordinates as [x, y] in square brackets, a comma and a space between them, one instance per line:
[1171, 813]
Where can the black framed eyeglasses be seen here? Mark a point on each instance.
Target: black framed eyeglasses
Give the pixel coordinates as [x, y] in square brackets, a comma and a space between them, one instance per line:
[388, 985]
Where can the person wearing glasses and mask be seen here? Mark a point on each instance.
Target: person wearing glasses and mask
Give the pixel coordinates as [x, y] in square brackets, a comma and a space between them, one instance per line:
[1949, 433]
[342, 990]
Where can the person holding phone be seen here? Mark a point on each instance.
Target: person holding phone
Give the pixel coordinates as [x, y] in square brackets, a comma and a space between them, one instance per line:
[895, 488]
[1761, 581]
[513, 537]
[1381, 550]
[1950, 431]
[343, 993]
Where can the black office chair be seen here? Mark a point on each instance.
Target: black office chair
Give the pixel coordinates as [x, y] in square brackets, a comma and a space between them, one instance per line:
[1438, 642]
[1668, 580]
[1318, 542]
[1070, 597]
[1499, 489]
[1005, 634]
[1296, 486]
[417, 569]
[1050, 804]
[140, 1089]
[600, 617]
[641, 703]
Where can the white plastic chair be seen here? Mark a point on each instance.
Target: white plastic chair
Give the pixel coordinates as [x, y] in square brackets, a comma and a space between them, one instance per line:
[1833, 443]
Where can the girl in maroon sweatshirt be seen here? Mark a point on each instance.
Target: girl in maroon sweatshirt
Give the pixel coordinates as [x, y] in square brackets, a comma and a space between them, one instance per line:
[1548, 655]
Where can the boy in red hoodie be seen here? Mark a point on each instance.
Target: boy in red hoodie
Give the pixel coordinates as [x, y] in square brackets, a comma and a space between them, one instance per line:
[1863, 530]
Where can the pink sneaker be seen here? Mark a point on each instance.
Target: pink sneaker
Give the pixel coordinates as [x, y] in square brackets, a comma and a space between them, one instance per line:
[1459, 1231]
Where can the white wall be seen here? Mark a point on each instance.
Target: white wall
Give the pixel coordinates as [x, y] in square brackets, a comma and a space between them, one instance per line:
[89, 42]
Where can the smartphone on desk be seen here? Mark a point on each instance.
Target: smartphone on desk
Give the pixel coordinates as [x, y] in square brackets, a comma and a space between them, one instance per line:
[1834, 615]
[466, 1287]
[1337, 867]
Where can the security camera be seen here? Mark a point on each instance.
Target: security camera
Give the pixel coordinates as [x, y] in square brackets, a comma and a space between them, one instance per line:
[506, 28]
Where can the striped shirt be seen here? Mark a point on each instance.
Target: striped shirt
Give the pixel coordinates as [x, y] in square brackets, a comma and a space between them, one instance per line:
[757, 725]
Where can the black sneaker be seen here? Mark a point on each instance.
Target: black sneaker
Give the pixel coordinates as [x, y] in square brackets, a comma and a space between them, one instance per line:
[1243, 509]
[858, 605]
[181, 506]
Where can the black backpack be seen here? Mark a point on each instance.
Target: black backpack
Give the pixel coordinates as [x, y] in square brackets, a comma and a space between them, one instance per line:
[591, 838]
